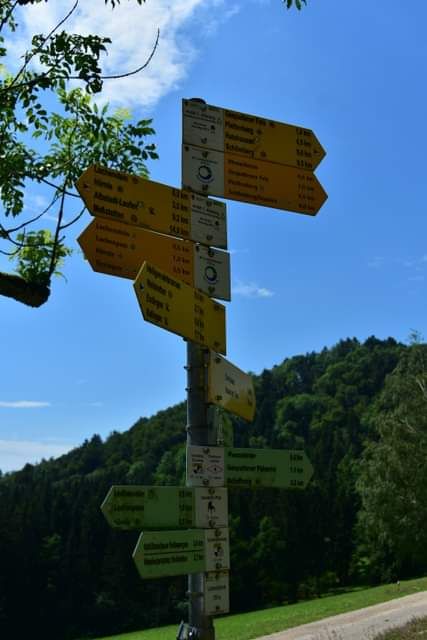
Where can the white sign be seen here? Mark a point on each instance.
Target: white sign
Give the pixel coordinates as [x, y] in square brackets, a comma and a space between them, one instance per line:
[212, 272]
[205, 466]
[210, 507]
[208, 221]
[217, 592]
[217, 549]
[203, 125]
[203, 170]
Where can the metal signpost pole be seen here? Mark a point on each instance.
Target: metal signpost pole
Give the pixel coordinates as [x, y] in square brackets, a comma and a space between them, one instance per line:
[197, 434]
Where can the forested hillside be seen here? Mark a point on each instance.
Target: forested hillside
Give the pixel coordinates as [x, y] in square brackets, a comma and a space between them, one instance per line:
[359, 411]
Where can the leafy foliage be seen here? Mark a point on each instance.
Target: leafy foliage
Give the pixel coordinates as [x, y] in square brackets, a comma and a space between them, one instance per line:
[393, 533]
[35, 255]
[297, 3]
[42, 146]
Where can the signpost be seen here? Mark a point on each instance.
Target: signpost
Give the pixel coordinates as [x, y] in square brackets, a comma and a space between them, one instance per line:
[120, 249]
[250, 136]
[173, 305]
[248, 468]
[140, 202]
[230, 388]
[241, 157]
[251, 180]
[129, 507]
[174, 553]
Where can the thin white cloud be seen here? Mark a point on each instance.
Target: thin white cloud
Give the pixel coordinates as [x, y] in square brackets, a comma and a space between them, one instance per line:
[35, 202]
[251, 290]
[411, 263]
[24, 404]
[14, 454]
[376, 263]
[211, 27]
[416, 263]
[419, 278]
[133, 30]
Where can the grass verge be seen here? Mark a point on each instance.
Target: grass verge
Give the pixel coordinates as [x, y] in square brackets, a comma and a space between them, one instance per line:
[416, 630]
[246, 626]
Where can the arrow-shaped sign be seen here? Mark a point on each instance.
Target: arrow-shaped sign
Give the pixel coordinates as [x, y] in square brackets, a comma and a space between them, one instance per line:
[139, 507]
[248, 468]
[251, 180]
[173, 305]
[229, 387]
[173, 553]
[120, 249]
[141, 202]
[253, 137]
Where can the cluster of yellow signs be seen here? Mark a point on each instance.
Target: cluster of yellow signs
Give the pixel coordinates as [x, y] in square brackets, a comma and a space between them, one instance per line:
[172, 242]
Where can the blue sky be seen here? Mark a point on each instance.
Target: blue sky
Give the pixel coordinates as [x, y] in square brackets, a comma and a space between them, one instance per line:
[352, 71]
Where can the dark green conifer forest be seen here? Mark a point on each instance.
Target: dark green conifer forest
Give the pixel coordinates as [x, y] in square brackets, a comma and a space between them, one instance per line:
[360, 412]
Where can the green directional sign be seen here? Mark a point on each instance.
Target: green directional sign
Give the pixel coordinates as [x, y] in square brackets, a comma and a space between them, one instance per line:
[247, 468]
[252, 468]
[173, 553]
[129, 507]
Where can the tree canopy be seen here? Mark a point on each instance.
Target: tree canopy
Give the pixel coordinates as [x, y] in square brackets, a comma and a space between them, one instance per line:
[51, 147]
[357, 409]
[393, 479]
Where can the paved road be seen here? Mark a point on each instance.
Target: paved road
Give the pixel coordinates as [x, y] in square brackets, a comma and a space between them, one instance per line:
[363, 624]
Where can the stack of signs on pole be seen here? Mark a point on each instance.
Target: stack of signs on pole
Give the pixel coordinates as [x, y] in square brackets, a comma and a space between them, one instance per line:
[138, 221]
[250, 159]
[162, 237]
[162, 552]
[139, 202]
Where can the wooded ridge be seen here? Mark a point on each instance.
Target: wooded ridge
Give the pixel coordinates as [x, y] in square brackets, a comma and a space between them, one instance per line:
[359, 410]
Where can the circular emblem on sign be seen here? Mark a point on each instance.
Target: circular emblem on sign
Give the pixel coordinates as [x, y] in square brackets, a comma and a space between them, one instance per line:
[211, 274]
[204, 173]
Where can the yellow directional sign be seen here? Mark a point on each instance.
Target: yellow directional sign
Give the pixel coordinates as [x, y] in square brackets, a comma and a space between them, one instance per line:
[172, 553]
[120, 249]
[255, 181]
[173, 305]
[141, 202]
[147, 507]
[231, 388]
[250, 136]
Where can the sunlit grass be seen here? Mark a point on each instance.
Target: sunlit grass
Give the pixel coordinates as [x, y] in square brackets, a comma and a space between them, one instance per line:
[247, 626]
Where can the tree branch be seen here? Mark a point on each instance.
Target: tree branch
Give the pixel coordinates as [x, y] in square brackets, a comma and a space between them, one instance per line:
[8, 14]
[135, 71]
[78, 216]
[24, 224]
[36, 51]
[31, 294]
